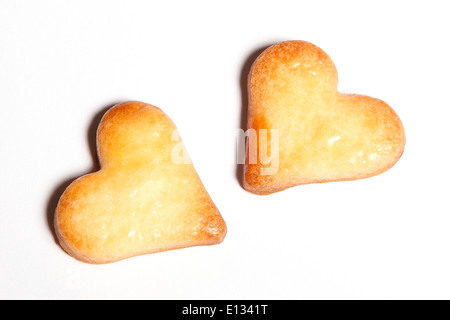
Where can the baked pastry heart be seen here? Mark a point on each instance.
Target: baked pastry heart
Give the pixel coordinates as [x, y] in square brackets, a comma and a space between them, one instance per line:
[314, 133]
[140, 201]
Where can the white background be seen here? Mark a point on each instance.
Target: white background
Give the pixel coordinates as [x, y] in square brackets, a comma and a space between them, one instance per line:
[62, 63]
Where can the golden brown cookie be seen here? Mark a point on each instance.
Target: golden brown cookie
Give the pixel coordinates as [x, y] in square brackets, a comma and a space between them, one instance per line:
[314, 133]
[141, 201]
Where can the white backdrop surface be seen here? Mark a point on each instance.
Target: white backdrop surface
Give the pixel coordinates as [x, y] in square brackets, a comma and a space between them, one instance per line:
[63, 63]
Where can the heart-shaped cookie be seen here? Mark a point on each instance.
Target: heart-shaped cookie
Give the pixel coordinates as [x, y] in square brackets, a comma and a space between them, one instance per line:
[302, 130]
[141, 201]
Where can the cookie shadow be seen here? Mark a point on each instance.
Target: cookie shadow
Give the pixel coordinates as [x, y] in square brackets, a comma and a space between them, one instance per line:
[53, 200]
[245, 70]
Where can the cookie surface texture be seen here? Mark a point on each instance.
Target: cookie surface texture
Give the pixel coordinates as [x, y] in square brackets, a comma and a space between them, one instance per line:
[305, 131]
[141, 201]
